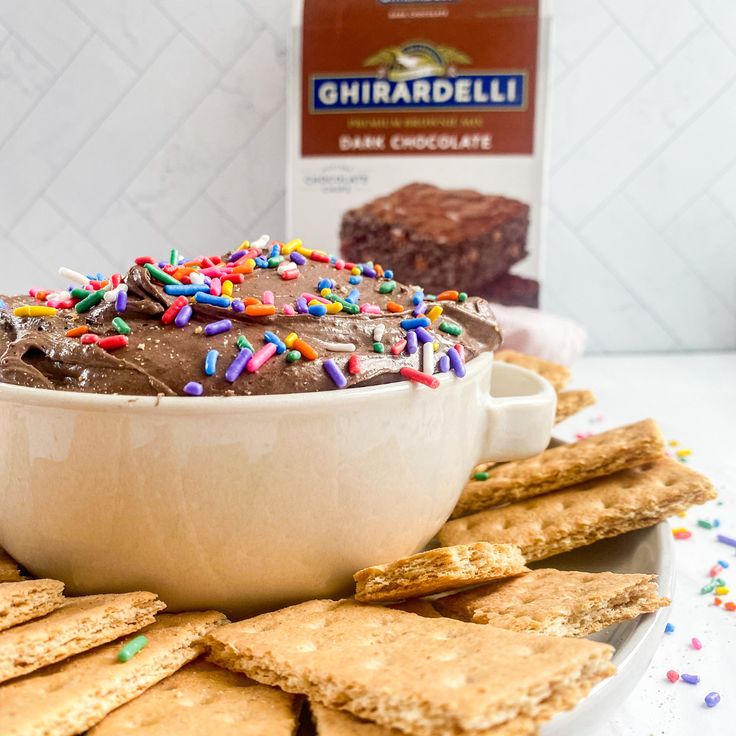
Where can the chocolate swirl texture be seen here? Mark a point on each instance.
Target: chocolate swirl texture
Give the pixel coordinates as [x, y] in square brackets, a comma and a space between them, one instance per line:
[160, 359]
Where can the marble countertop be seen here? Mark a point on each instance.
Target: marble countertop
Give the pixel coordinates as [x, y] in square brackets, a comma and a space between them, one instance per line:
[693, 397]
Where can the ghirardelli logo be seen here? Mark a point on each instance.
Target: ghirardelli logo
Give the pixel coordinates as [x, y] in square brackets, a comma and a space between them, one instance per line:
[416, 60]
[418, 75]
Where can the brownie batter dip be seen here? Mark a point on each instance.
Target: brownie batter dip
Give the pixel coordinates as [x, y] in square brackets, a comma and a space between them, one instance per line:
[268, 318]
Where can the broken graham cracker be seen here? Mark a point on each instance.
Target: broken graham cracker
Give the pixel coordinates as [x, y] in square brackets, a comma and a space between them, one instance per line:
[423, 676]
[571, 402]
[584, 513]
[9, 570]
[70, 697]
[438, 570]
[556, 602]
[558, 375]
[76, 626]
[202, 698]
[28, 599]
[563, 466]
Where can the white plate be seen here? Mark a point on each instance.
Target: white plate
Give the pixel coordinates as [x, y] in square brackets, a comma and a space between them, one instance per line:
[645, 551]
[648, 551]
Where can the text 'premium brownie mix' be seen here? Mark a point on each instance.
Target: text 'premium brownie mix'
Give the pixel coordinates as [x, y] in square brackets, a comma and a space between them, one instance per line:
[415, 138]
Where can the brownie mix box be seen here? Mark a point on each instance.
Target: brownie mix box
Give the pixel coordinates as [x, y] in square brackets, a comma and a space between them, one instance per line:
[416, 136]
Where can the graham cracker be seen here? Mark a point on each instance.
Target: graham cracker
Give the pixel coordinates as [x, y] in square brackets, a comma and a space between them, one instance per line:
[571, 402]
[202, 698]
[556, 602]
[9, 570]
[70, 697]
[563, 466]
[583, 514]
[558, 375]
[423, 676]
[76, 626]
[419, 606]
[438, 570]
[28, 599]
[331, 722]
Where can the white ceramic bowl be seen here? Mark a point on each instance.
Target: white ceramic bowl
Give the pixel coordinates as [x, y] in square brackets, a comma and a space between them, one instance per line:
[247, 503]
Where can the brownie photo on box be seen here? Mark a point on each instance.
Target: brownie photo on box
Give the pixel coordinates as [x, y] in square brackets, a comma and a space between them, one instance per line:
[511, 290]
[442, 238]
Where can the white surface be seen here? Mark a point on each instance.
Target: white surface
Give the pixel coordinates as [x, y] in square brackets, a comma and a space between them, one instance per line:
[130, 126]
[296, 494]
[694, 399]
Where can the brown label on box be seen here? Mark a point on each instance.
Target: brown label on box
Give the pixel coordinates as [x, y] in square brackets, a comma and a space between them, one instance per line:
[389, 77]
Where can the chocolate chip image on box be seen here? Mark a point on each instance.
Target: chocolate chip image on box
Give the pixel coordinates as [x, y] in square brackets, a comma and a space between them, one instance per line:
[445, 238]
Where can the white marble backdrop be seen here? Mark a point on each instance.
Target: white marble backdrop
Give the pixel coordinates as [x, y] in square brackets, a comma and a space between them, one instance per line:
[129, 126]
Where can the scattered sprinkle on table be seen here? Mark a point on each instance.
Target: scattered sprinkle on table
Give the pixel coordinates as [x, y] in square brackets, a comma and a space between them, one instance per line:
[712, 699]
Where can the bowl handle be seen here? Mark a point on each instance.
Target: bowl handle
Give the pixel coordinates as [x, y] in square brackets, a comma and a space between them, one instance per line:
[520, 414]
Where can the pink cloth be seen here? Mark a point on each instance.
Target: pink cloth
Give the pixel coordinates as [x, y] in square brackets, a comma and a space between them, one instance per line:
[540, 333]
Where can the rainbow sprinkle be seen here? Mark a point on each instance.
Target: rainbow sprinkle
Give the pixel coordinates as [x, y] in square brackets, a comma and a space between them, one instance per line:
[337, 376]
[236, 368]
[129, 650]
[217, 328]
[712, 699]
[210, 362]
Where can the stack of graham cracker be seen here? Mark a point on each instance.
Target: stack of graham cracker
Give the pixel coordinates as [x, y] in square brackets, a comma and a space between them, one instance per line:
[407, 656]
